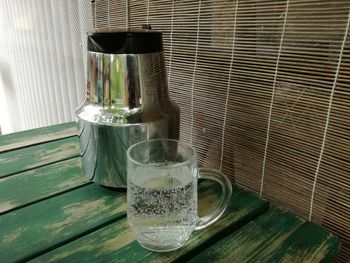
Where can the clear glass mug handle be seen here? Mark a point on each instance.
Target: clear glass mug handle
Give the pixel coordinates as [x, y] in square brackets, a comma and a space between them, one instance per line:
[226, 186]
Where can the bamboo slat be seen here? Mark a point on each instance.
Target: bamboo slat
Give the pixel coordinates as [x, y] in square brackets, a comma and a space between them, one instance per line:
[263, 91]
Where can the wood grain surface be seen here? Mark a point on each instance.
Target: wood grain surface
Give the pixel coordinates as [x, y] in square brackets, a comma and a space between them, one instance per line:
[35, 136]
[27, 158]
[49, 212]
[117, 243]
[275, 236]
[40, 183]
[34, 229]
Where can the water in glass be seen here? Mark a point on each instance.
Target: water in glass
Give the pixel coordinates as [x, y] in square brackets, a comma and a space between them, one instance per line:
[162, 205]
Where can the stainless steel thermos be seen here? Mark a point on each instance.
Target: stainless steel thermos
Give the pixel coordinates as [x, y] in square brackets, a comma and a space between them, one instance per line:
[127, 101]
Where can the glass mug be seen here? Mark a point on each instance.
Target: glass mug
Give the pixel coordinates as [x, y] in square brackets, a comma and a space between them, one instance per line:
[162, 193]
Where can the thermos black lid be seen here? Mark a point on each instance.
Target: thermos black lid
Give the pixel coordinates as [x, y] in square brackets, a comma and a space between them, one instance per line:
[125, 42]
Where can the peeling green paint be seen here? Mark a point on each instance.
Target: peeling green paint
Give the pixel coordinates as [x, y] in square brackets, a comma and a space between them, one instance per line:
[275, 236]
[55, 220]
[17, 190]
[38, 155]
[39, 135]
[116, 242]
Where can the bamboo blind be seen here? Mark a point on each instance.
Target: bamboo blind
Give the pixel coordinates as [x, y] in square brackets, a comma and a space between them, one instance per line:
[263, 88]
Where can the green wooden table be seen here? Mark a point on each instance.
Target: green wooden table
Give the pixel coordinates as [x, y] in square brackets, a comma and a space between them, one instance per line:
[50, 212]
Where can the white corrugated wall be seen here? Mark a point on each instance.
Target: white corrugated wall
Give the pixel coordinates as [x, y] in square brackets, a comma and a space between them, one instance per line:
[42, 61]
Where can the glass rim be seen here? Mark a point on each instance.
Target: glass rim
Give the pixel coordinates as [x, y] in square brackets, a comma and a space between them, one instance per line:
[189, 160]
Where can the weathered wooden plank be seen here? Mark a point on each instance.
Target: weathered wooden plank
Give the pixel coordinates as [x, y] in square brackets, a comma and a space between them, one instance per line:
[27, 187]
[39, 227]
[116, 242]
[34, 156]
[25, 138]
[309, 243]
[276, 236]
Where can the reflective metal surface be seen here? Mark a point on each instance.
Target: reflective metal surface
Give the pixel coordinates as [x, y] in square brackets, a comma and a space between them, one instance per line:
[127, 101]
